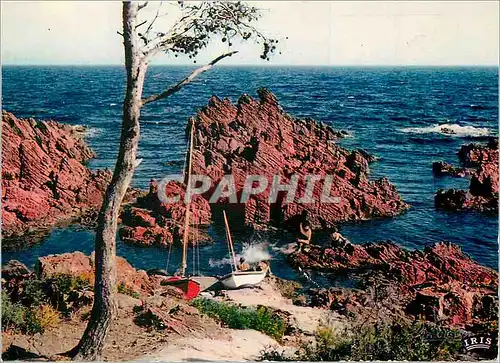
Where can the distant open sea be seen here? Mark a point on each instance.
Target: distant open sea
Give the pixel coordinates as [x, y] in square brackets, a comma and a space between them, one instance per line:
[393, 113]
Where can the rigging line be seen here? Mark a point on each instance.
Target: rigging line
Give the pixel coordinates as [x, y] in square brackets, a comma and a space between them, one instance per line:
[195, 233]
[308, 277]
[195, 250]
[168, 255]
[194, 257]
[198, 250]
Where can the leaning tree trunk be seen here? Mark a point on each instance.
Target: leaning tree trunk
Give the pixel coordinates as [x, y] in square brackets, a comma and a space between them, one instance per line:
[91, 345]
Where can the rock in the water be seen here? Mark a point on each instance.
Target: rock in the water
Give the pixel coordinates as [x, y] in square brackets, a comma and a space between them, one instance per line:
[440, 168]
[149, 222]
[483, 191]
[256, 137]
[439, 283]
[44, 179]
[476, 154]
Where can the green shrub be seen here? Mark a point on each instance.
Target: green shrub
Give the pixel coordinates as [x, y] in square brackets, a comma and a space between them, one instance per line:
[33, 293]
[12, 313]
[261, 318]
[29, 320]
[377, 341]
[63, 291]
[36, 305]
[124, 289]
[275, 354]
[66, 292]
[31, 325]
[67, 283]
[288, 288]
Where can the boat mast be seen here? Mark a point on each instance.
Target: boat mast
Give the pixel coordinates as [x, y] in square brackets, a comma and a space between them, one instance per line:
[229, 239]
[188, 209]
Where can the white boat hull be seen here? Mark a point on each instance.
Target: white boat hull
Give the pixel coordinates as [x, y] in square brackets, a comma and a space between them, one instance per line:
[237, 279]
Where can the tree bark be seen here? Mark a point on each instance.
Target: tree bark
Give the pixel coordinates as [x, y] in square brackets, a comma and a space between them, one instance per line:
[92, 343]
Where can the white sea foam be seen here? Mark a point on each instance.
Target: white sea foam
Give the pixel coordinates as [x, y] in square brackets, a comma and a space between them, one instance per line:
[450, 129]
[91, 132]
[252, 253]
[218, 263]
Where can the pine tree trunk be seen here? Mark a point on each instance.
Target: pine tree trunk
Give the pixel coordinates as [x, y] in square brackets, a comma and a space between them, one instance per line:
[92, 343]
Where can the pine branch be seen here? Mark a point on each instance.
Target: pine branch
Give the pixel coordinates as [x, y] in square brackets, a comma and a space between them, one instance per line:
[170, 91]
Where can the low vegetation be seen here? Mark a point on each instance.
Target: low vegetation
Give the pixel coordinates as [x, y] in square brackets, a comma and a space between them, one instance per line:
[261, 318]
[38, 304]
[377, 341]
[28, 320]
[287, 288]
[124, 289]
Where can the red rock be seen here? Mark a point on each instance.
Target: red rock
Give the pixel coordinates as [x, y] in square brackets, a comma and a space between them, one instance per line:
[440, 168]
[160, 224]
[451, 199]
[44, 180]
[15, 269]
[79, 264]
[483, 191]
[485, 181]
[75, 263]
[475, 154]
[256, 137]
[438, 283]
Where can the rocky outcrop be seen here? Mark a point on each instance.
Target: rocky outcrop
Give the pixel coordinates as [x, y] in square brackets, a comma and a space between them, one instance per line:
[79, 264]
[440, 168]
[481, 163]
[44, 179]
[256, 137]
[440, 283]
[475, 154]
[149, 222]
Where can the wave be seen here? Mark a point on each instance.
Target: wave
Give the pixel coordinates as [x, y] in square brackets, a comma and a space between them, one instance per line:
[450, 129]
[91, 132]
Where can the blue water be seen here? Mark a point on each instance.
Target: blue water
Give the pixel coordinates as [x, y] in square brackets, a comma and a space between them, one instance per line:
[372, 104]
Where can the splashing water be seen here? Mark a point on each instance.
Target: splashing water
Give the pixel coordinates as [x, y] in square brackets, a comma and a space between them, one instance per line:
[252, 253]
[219, 263]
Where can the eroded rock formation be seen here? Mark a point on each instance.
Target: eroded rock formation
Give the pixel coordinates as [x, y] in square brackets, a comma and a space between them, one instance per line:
[481, 162]
[149, 222]
[440, 283]
[44, 179]
[257, 138]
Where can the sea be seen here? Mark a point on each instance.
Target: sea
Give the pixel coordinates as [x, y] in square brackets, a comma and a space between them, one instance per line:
[402, 115]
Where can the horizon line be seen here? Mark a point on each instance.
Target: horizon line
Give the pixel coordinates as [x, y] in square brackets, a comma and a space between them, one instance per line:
[247, 65]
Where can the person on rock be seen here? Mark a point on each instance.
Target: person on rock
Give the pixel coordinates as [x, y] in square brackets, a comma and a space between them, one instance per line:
[304, 234]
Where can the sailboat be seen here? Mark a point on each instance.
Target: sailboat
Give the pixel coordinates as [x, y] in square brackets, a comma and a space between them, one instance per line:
[190, 286]
[237, 278]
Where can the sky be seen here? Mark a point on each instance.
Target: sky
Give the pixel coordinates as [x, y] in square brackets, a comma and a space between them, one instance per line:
[319, 33]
